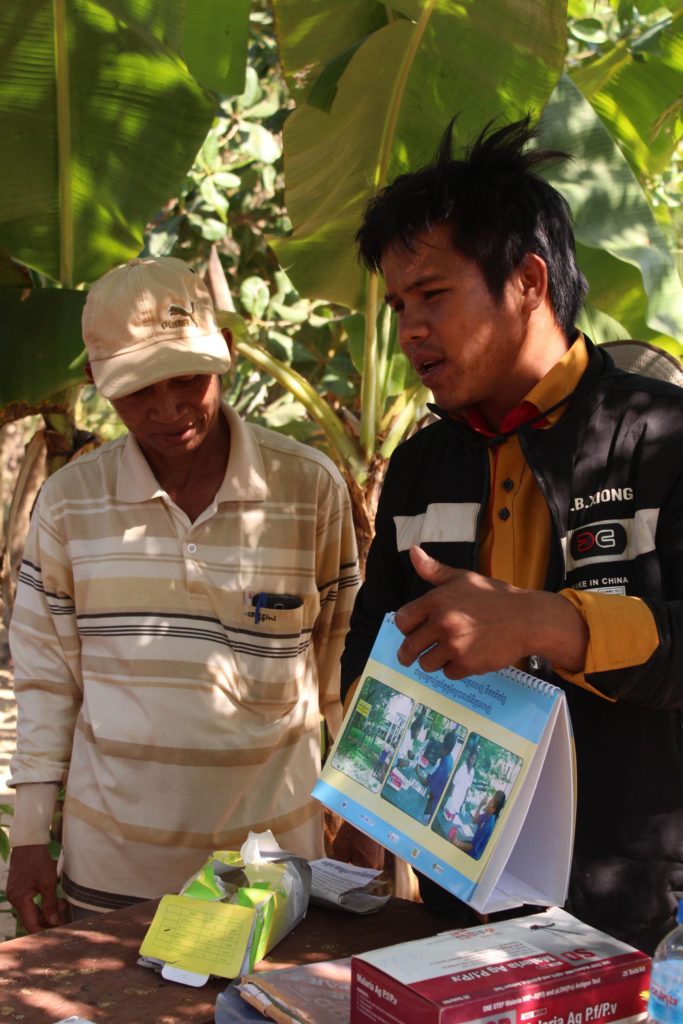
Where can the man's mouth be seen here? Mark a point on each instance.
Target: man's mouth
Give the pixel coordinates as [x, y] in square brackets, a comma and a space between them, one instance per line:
[427, 366]
[170, 434]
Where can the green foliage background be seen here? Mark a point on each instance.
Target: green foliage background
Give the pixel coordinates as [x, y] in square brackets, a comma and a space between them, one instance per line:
[234, 196]
[339, 97]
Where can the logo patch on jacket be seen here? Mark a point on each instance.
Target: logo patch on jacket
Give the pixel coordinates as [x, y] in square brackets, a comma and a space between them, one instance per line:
[611, 540]
[601, 539]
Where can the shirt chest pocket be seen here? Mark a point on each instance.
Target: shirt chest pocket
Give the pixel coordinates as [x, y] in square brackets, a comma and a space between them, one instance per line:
[269, 635]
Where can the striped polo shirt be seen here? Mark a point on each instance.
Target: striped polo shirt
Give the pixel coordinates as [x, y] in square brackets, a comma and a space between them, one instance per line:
[184, 706]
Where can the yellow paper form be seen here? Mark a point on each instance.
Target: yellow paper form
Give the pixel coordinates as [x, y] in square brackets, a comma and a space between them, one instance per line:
[207, 938]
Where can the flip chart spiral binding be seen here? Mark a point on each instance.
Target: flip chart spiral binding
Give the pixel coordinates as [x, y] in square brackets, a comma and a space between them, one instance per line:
[533, 682]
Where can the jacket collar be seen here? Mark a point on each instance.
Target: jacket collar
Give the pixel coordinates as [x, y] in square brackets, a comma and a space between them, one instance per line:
[600, 366]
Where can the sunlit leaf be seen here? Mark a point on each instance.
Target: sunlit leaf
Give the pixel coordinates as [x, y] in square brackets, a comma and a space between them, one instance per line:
[281, 346]
[393, 102]
[210, 36]
[215, 41]
[639, 100]
[262, 144]
[213, 197]
[293, 314]
[355, 328]
[338, 377]
[126, 121]
[209, 227]
[227, 180]
[589, 30]
[210, 154]
[599, 326]
[313, 32]
[254, 296]
[160, 241]
[344, 447]
[324, 90]
[400, 375]
[622, 250]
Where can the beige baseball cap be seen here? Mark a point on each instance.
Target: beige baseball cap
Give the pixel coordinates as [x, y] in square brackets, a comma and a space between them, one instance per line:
[149, 320]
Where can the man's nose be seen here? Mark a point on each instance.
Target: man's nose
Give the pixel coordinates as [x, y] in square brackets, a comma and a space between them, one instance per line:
[167, 404]
[412, 327]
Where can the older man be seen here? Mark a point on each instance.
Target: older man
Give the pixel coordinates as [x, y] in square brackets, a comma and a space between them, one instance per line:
[179, 619]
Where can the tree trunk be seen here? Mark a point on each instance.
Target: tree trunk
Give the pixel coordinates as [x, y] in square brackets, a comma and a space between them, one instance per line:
[364, 505]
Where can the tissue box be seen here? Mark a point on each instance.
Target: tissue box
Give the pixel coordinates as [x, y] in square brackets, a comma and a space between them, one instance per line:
[229, 914]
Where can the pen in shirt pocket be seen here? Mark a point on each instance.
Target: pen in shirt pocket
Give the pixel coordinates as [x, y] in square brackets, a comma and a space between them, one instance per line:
[278, 602]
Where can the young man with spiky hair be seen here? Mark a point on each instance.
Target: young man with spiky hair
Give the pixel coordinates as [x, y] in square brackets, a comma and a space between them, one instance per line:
[539, 520]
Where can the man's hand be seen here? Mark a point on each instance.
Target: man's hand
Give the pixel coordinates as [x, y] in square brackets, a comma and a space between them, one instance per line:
[353, 847]
[33, 872]
[469, 624]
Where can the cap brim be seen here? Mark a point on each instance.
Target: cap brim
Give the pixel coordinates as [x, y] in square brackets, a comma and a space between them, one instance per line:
[130, 371]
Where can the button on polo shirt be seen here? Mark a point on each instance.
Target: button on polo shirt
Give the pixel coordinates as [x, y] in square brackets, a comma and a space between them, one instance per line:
[507, 551]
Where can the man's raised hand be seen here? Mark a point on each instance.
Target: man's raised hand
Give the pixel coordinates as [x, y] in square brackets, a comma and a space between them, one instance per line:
[469, 624]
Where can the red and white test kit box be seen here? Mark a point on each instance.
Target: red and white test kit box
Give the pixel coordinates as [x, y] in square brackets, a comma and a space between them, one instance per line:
[546, 968]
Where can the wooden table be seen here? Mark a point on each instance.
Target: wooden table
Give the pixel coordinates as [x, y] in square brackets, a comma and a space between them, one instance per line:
[89, 969]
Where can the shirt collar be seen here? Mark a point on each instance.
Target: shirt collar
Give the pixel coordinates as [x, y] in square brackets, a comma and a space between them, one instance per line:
[244, 480]
[559, 381]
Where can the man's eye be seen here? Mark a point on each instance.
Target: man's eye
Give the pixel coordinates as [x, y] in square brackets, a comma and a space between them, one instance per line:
[433, 293]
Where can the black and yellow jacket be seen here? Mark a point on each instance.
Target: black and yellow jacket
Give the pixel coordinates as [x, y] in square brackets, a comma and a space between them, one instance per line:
[611, 473]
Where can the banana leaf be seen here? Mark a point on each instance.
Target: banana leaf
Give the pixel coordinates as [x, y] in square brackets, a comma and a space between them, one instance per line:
[101, 120]
[396, 95]
[41, 350]
[638, 93]
[621, 248]
[314, 33]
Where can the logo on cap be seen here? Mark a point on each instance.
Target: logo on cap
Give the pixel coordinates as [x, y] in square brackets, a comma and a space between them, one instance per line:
[175, 310]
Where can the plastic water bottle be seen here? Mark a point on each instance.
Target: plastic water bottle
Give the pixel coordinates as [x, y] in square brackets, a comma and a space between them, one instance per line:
[666, 980]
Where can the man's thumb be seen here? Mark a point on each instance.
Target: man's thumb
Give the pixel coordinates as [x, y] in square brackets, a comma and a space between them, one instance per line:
[429, 568]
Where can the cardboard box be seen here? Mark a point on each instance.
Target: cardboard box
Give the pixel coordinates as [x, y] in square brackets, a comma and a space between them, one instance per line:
[546, 968]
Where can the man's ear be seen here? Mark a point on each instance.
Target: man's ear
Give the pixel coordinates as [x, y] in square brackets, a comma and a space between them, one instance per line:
[88, 372]
[533, 281]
